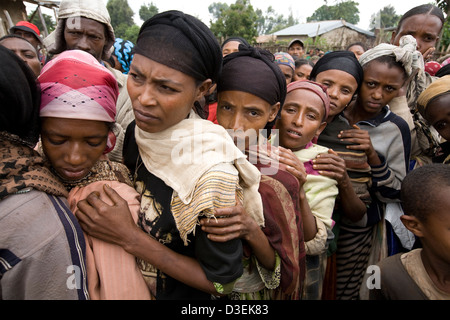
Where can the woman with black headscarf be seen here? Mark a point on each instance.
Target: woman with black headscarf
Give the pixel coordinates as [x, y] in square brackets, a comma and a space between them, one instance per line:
[232, 44]
[184, 167]
[40, 238]
[341, 72]
[251, 90]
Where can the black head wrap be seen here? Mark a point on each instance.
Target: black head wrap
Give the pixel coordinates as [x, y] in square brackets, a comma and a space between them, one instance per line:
[181, 42]
[253, 70]
[445, 70]
[339, 60]
[238, 39]
[20, 98]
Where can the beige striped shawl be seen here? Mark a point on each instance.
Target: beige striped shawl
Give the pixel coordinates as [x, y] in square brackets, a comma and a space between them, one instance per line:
[196, 158]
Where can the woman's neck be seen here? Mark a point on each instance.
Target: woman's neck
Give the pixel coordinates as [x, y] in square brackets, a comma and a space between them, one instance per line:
[355, 113]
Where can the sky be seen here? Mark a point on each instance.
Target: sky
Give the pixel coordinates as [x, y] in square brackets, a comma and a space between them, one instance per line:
[301, 9]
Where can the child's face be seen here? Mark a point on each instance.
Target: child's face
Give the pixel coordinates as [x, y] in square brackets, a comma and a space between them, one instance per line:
[301, 119]
[73, 146]
[161, 96]
[244, 113]
[381, 84]
[302, 72]
[357, 50]
[288, 72]
[341, 86]
[438, 115]
[435, 231]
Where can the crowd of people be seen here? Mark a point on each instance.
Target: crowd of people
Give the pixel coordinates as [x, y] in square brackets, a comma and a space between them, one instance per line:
[181, 168]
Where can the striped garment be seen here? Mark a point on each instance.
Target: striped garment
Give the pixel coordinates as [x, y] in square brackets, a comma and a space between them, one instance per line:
[215, 189]
[43, 249]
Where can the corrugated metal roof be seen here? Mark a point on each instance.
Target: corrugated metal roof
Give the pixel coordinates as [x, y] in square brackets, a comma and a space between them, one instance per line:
[313, 29]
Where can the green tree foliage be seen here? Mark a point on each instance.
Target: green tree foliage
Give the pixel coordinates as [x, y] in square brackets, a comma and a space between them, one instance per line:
[271, 21]
[238, 19]
[445, 37]
[385, 18]
[120, 13]
[49, 22]
[122, 19]
[346, 10]
[148, 11]
[132, 33]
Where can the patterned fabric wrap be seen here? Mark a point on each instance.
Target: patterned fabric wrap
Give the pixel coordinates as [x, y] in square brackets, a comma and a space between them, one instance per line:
[215, 189]
[103, 170]
[283, 223]
[411, 59]
[284, 59]
[437, 88]
[22, 167]
[317, 88]
[432, 67]
[284, 230]
[75, 85]
[123, 52]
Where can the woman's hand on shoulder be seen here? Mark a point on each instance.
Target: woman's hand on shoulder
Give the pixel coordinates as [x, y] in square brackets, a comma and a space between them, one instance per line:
[293, 164]
[229, 223]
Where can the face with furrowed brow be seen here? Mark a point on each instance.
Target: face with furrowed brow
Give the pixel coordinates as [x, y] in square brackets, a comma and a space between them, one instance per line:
[161, 96]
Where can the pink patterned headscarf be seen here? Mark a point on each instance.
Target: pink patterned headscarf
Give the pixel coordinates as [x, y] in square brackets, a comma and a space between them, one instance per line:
[74, 85]
[315, 87]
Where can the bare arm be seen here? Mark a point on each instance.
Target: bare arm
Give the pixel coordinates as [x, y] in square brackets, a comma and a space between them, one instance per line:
[233, 223]
[114, 224]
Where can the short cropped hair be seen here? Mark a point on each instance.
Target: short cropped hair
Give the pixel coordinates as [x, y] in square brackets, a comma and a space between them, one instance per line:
[420, 187]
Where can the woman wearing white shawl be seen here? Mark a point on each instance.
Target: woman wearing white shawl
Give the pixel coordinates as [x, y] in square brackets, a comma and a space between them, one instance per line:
[184, 167]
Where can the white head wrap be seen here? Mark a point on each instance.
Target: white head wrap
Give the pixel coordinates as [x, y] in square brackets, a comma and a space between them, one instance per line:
[411, 59]
[91, 9]
[406, 53]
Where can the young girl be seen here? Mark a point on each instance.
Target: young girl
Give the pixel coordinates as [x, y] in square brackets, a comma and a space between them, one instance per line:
[303, 117]
[286, 64]
[358, 48]
[342, 74]
[183, 166]
[434, 104]
[250, 91]
[77, 113]
[422, 273]
[303, 68]
[384, 136]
